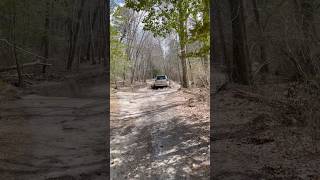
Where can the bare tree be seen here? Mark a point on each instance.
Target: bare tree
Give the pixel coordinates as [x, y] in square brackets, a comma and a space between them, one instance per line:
[241, 68]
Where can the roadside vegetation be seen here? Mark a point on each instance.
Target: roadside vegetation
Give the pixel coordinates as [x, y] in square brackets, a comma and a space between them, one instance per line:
[53, 72]
[266, 89]
[150, 38]
[45, 40]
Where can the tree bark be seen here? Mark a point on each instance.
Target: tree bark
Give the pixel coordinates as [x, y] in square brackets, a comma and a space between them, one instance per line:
[14, 48]
[182, 38]
[241, 70]
[262, 42]
[46, 35]
[90, 50]
[75, 36]
[226, 59]
[105, 32]
[185, 81]
[190, 72]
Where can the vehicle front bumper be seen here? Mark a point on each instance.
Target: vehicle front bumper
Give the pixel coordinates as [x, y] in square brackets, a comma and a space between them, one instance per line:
[161, 84]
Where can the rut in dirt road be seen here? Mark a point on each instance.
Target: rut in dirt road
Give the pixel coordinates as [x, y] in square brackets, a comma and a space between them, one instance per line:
[150, 140]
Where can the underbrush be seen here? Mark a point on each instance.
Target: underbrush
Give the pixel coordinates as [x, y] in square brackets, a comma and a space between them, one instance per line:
[278, 124]
[293, 107]
[307, 105]
[296, 108]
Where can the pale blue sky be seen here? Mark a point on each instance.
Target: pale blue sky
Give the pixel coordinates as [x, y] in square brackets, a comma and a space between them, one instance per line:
[119, 1]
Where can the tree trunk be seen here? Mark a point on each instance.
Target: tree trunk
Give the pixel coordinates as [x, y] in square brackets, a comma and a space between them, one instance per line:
[306, 13]
[185, 81]
[79, 58]
[225, 58]
[179, 72]
[14, 48]
[88, 56]
[262, 42]
[74, 38]
[136, 57]
[105, 32]
[241, 70]
[207, 67]
[182, 38]
[46, 35]
[190, 72]
[91, 47]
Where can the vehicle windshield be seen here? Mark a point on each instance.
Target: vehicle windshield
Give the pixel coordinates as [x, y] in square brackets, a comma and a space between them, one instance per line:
[161, 77]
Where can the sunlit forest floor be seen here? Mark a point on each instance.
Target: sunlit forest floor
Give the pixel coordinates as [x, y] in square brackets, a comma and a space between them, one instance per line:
[265, 132]
[159, 134]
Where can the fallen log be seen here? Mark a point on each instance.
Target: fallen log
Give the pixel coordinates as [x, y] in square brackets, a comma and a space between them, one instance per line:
[13, 80]
[22, 49]
[263, 99]
[16, 75]
[24, 65]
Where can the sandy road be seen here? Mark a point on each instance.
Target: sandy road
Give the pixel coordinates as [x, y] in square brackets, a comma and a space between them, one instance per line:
[150, 140]
[57, 133]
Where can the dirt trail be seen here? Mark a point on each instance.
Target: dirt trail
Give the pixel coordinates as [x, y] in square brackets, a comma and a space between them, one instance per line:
[50, 135]
[151, 140]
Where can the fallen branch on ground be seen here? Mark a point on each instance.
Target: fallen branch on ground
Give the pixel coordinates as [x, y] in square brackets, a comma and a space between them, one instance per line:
[260, 68]
[23, 50]
[15, 79]
[16, 75]
[263, 99]
[221, 88]
[24, 65]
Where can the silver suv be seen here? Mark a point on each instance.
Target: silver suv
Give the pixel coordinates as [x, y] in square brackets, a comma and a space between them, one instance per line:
[161, 81]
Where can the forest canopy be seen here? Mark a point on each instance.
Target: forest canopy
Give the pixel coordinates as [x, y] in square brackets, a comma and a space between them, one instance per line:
[172, 27]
